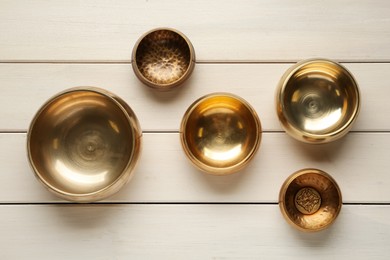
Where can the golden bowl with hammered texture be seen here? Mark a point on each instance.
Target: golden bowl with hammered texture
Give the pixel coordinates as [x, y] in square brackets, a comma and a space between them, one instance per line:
[310, 200]
[220, 133]
[83, 144]
[163, 58]
[317, 101]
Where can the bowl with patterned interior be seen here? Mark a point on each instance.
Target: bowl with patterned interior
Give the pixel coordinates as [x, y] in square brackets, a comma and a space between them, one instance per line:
[310, 200]
[163, 58]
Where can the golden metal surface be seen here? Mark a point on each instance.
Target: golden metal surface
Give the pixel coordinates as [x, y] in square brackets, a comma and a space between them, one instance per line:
[83, 144]
[310, 200]
[163, 58]
[317, 101]
[220, 133]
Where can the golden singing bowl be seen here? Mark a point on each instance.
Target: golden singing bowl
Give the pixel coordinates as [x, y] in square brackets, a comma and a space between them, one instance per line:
[317, 101]
[310, 200]
[83, 144]
[220, 133]
[163, 58]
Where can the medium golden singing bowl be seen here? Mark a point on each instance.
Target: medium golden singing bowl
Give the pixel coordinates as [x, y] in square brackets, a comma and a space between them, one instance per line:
[220, 133]
[83, 144]
[317, 101]
[163, 58]
[310, 200]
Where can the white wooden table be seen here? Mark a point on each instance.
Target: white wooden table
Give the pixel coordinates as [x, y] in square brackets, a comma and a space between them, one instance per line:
[170, 210]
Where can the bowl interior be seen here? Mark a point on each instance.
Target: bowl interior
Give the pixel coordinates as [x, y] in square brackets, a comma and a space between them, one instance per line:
[312, 201]
[220, 132]
[320, 98]
[80, 142]
[163, 57]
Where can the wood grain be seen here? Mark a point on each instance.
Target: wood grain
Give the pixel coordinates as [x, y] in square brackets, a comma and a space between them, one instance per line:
[170, 210]
[25, 87]
[219, 30]
[359, 163]
[186, 231]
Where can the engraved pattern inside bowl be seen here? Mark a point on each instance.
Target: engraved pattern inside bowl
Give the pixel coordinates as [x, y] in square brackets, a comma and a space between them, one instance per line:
[163, 59]
[310, 200]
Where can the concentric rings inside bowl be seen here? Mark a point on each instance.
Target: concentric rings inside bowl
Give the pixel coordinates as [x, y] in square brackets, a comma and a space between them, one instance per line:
[317, 101]
[83, 144]
[220, 133]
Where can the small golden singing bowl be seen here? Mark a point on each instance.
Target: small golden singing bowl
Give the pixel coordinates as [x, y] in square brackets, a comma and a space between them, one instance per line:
[317, 101]
[83, 144]
[220, 133]
[310, 200]
[163, 58]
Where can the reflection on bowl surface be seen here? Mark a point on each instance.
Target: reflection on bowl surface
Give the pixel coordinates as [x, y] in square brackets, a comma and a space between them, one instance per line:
[83, 143]
[220, 133]
[310, 200]
[317, 101]
[163, 59]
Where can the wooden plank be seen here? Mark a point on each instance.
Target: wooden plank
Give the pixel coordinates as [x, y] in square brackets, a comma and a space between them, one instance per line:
[186, 231]
[25, 87]
[220, 30]
[358, 162]
[46, 47]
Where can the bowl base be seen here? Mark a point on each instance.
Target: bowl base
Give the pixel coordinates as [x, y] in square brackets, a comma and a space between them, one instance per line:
[307, 200]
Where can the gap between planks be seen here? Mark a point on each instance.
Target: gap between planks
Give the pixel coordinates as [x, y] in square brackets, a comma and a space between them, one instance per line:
[178, 132]
[233, 62]
[176, 203]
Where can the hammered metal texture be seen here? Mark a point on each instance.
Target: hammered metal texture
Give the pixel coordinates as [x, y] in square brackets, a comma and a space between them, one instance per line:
[317, 101]
[220, 133]
[163, 59]
[310, 200]
[83, 144]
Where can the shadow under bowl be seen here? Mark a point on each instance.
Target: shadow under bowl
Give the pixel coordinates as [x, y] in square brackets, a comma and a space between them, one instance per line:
[310, 200]
[163, 58]
[83, 144]
[317, 101]
[220, 133]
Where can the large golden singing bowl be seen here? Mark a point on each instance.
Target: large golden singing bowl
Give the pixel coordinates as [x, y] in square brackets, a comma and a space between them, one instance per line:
[220, 133]
[83, 144]
[317, 101]
[310, 200]
[163, 58]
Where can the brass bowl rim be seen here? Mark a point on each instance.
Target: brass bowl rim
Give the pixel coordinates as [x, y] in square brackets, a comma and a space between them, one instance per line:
[315, 138]
[163, 86]
[130, 166]
[220, 171]
[288, 182]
